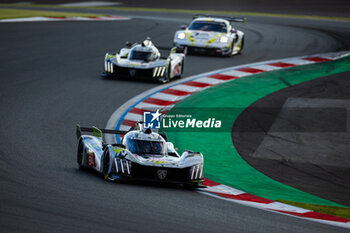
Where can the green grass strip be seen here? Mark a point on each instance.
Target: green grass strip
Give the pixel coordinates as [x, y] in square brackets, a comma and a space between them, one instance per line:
[6, 13]
[189, 11]
[223, 163]
[343, 212]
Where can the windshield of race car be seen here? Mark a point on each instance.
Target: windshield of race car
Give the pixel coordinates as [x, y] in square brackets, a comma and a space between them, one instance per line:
[140, 55]
[208, 26]
[142, 147]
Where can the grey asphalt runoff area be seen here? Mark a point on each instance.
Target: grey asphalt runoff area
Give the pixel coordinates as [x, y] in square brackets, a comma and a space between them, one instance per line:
[50, 81]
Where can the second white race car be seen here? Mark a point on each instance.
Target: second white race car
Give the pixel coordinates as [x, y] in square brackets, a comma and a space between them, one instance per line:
[143, 60]
[210, 34]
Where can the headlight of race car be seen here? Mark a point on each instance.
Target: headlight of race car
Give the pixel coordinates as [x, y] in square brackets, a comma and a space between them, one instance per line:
[223, 39]
[159, 71]
[196, 172]
[122, 166]
[181, 35]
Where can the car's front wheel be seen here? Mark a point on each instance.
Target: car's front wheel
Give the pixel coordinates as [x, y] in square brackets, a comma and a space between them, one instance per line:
[105, 164]
[80, 154]
[166, 77]
[193, 185]
[182, 66]
[242, 45]
[231, 51]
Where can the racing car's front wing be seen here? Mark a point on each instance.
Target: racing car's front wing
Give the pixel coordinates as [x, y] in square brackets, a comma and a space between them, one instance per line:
[204, 50]
[112, 69]
[125, 169]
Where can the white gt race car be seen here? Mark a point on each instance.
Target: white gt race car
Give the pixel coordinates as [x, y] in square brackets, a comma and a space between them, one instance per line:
[212, 35]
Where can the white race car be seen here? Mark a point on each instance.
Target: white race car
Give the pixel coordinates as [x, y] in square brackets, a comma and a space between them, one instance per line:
[210, 34]
[143, 155]
[143, 60]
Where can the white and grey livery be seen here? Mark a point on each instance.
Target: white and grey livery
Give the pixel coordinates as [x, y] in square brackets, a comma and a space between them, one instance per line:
[210, 34]
[142, 155]
[144, 61]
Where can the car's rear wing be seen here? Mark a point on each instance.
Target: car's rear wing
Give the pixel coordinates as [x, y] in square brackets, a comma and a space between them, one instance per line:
[96, 131]
[229, 18]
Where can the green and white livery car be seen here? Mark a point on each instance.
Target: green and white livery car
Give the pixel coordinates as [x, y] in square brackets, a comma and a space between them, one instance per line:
[144, 61]
[210, 34]
[143, 155]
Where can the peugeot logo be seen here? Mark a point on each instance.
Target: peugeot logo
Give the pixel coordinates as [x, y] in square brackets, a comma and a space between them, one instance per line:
[132, 72]
[162, 174]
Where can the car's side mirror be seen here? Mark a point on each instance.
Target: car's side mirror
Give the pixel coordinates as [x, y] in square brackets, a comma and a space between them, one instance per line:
[119, 145]
[233, 30]
[173, 50]
[170, 146]
[171, 150]
[128, 44]
[183, 27]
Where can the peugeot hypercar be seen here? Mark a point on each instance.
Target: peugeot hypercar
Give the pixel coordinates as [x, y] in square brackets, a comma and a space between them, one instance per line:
[144, 61]
[142, 155]
[210, 35]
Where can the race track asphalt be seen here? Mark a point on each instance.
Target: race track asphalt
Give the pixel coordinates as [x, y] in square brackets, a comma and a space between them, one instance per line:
[50, 81]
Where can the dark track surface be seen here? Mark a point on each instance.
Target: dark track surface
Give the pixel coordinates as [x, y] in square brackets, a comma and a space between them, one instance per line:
[321, 168]
[50, 81]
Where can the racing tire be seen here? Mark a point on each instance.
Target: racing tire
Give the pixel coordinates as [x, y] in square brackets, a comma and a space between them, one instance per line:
[242, 45]
[80, 154]
[166, 78]
[182, 66]
[185, 50]
[192, 186]
[106, 75]
[230, 54]
[105, 164]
